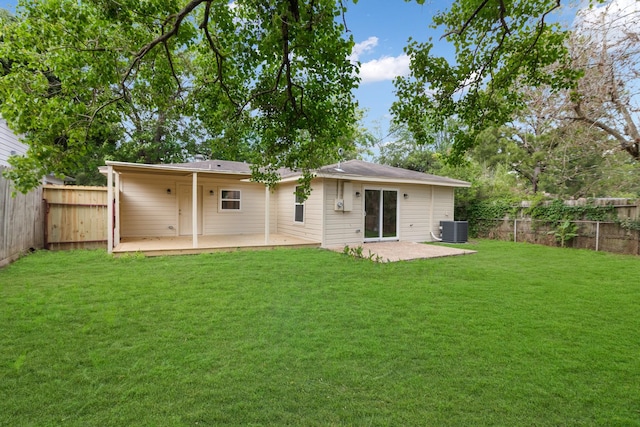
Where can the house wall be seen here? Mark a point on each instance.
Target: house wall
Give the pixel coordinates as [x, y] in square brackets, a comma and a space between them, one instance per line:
[250, 218]
[145, 207]
[414, 224]
[416, 210]
[414, 213]
[9, 143]
[147, 210]
[343, 228]
[442, 208]
[311, 228]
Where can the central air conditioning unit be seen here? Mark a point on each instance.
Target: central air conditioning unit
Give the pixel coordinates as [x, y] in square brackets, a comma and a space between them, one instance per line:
[454, 231]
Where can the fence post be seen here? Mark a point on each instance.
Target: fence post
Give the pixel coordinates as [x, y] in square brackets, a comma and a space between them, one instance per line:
[597, 234]
[515, 230]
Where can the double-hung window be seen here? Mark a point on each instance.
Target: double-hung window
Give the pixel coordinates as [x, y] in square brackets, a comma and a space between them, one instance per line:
[299, 205]
[229, 200]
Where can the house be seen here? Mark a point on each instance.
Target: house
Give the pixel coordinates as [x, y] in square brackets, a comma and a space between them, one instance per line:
[207, 205]
[9, 143]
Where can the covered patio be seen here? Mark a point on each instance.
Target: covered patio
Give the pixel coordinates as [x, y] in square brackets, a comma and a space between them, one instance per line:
[190, 208]
[183, 245]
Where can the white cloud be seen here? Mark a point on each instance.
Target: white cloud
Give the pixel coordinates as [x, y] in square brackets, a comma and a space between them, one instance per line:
[385, 68]
[363, 47]
[376, 70]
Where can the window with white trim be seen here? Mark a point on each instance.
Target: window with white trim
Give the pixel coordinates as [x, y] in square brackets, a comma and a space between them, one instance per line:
[299, 205]
[229, 200]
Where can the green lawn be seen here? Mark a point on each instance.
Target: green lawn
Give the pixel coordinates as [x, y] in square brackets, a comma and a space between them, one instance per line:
[513, 335]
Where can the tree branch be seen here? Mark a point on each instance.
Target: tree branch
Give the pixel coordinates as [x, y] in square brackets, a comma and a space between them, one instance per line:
[204, 26]
[466, 24]
[177, 20]
[171, 67]
[630, 147]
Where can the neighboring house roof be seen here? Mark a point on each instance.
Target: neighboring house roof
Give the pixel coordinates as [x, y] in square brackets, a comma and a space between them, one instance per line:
[356, 170]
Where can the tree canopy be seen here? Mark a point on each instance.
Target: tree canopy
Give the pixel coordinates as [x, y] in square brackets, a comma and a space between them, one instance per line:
[270, 82]
[500, 45]
[161, 80]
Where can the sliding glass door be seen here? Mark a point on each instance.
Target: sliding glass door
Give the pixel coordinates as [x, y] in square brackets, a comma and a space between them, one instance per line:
[381, 215]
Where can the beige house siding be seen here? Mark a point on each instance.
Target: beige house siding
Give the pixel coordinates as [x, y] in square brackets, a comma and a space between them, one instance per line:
[147, 210]
[249, 220]
[145, 207]
[443, 207]
[343, 228]
[414, 222]
[311, 228]
[414, 213]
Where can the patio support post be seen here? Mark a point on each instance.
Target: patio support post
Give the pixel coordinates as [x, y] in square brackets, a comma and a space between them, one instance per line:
[110, 209]
[267, 209]
[194, 209]
[116, 234]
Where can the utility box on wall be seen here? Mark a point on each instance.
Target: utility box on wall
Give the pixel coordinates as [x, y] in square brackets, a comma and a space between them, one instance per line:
[345, 204]
[454, 231]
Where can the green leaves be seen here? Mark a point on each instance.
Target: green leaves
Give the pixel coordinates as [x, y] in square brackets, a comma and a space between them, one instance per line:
[158, 81]
[498, 46]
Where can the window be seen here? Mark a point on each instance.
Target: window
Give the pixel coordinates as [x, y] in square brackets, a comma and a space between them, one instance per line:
[230, 200]
[299, 205]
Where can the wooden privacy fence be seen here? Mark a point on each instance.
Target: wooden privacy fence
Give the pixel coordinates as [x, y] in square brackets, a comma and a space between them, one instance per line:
[21, 219]
[76, 217]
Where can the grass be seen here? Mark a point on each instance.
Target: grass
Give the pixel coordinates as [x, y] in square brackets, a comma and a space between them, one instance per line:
[514, 335]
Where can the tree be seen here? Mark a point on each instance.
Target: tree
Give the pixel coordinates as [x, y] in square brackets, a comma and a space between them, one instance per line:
[162, 80]
[405, 152]
[498, 46]
[605, 46]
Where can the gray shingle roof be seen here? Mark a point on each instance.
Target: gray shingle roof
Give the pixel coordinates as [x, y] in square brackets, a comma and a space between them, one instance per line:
[351, 169]
[363, 169]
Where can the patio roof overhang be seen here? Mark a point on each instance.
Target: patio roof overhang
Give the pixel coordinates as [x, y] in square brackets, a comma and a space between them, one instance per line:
[170, 170]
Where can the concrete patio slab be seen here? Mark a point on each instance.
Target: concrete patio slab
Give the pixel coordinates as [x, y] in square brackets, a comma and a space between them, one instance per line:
[403, 251]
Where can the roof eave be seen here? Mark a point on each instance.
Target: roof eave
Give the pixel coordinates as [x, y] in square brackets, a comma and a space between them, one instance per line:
[126, 166]
[361, 178]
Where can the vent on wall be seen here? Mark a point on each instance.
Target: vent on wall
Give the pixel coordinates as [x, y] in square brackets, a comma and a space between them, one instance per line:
[454, 231]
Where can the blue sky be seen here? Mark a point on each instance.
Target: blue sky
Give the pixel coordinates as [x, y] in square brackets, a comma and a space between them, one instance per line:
[381, 29]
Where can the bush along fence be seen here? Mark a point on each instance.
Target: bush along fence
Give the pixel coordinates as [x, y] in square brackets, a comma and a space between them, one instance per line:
[611, 225]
